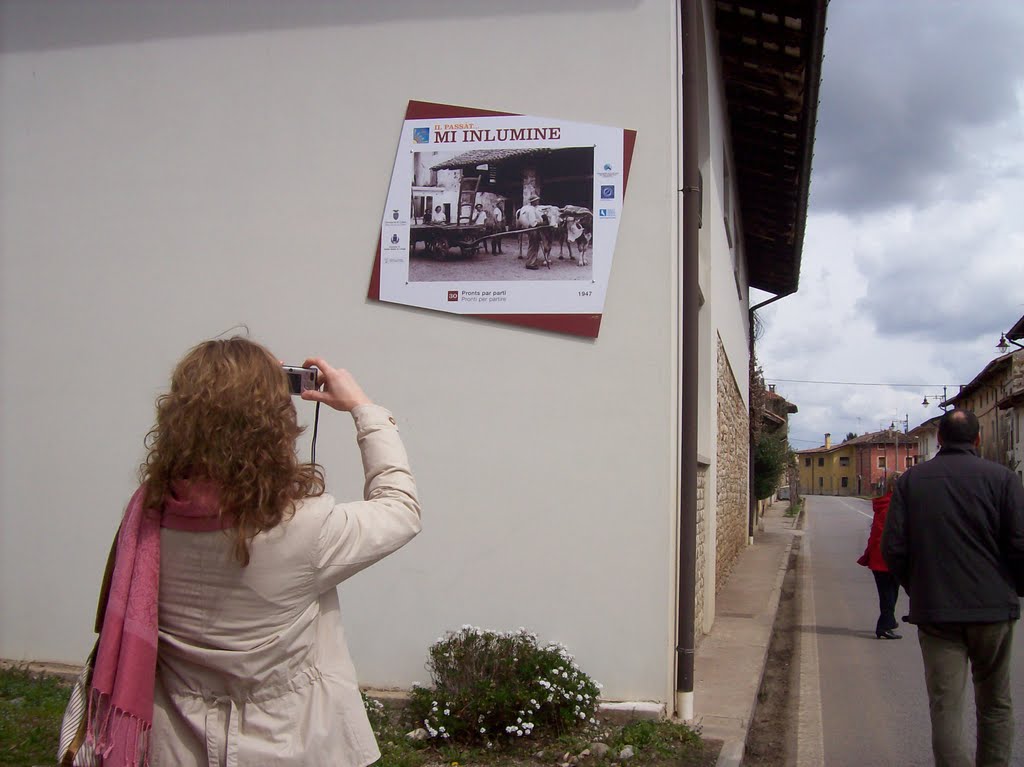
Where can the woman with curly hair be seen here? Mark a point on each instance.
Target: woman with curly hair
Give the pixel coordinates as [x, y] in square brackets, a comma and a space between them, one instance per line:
[221, 640]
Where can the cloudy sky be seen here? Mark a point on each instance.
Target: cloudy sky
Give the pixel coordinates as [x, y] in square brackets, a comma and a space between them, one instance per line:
[913, 259]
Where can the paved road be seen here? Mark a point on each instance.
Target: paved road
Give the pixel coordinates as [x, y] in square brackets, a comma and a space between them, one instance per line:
[869, 705]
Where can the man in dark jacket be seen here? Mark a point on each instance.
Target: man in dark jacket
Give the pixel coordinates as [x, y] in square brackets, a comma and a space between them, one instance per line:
[954, 538]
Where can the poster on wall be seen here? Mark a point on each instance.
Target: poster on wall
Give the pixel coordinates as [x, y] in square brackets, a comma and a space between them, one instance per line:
[503, 216]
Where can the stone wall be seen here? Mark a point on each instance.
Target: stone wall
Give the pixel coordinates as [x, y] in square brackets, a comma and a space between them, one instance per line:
[698, 601]
[732, 488]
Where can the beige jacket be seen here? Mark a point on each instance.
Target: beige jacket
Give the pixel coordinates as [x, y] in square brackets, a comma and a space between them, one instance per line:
[253, 666]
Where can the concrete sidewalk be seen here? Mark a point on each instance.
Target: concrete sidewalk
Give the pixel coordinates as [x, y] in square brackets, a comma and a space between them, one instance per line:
[729, 662]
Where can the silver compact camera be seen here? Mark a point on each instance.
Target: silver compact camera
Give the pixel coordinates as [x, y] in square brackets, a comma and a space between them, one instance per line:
[300, 379]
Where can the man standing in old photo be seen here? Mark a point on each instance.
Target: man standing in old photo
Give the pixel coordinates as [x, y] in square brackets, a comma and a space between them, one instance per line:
[954, 538]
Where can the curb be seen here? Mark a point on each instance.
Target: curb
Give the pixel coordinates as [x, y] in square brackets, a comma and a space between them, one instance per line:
[733, 748]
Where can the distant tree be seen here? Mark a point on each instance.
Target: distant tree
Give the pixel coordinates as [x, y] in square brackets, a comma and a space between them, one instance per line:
[850, 435]
[771, 458]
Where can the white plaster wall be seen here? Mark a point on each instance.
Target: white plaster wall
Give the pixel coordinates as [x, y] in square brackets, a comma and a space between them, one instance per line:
[168, 170]
[728, 305]
[724, 314]
[928, 444]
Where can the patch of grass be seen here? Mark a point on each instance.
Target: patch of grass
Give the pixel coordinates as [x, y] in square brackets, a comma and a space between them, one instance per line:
[795, 508]
[664, 739]
[31, 708]
[396, 750]
[655, 744]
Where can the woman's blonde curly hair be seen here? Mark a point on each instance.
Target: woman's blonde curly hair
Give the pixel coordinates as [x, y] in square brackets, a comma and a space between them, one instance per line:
[229, 418]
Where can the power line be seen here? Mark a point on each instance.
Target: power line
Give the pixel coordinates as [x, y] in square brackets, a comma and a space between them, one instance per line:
[857, 383]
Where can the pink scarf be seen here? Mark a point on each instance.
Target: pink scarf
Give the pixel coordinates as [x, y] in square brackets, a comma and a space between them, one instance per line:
[120, 713]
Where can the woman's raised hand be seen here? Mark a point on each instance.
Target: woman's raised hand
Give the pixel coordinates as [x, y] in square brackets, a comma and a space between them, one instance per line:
[340, 389]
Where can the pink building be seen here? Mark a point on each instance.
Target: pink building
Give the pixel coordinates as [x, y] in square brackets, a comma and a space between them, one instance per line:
[879, 454]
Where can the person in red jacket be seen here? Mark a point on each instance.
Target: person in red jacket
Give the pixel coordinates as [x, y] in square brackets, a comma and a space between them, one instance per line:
[886, 583]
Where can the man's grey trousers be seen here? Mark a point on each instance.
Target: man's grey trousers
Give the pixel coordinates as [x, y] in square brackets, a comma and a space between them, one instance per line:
[946, 649]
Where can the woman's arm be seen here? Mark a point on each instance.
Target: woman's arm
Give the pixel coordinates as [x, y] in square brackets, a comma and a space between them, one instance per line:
[355, 535]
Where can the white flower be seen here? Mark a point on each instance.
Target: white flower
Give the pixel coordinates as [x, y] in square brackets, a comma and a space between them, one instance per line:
[483, 730]
[447, 712]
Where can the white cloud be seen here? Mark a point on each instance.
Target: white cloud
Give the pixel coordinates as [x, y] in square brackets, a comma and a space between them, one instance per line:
[913, 258]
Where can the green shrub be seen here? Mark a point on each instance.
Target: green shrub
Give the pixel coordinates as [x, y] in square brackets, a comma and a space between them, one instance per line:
[490, 686]
[771, 456]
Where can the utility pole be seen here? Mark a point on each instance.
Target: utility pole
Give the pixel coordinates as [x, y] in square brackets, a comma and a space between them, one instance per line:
[896, 438]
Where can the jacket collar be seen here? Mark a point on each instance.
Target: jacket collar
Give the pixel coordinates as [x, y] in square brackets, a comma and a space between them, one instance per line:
[958, 447]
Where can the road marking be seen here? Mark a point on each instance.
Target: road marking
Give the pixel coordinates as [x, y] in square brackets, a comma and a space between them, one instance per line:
[854, 508]
[810, 742]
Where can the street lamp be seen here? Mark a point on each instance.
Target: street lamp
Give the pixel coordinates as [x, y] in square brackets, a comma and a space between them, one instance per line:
[1003, 346]
[935, 398]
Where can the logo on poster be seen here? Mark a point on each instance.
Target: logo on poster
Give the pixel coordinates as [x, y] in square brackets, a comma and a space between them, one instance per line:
[453, 295]
[607, 166]
[421, 135]
[607, 191]
[606, 213]
[394, 239]
[394, 214]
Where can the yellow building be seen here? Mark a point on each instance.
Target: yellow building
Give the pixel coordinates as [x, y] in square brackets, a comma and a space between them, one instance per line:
[828, 470]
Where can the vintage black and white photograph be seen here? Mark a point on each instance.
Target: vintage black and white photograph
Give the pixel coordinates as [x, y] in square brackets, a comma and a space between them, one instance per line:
[502, 214]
